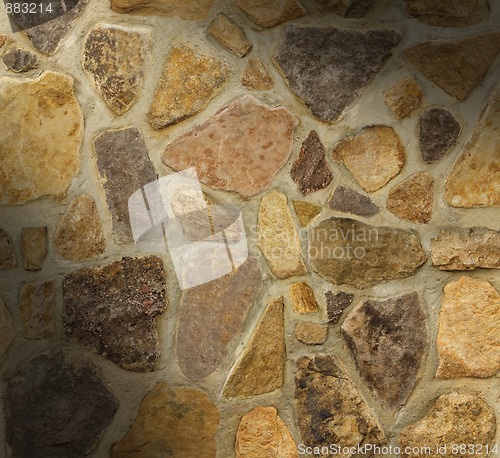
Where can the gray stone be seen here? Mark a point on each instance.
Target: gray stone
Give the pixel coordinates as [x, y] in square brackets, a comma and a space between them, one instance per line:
[45, 11]
[33, 247]
[20, 60]
[439, 132]
[7, 253]
[349, 201]
[346, 8]
[336, 303]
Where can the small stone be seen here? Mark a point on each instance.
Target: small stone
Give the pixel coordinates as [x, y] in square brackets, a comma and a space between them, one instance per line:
[172, 422]
[306, 211]
[241, 148]
[412, 198]
[197, 10]
[311, 333]
[268, 14]
[336, 303]
[3, 39]
[388, 339]
[37, 303]
[347, 200]
[20, 60]
[403, 97]
[7, 331]
[190, 79]
[455, 418]
[469, 330]
[302, 297]
[261, 367]
[112, 310]
[7, 253]
[230, 35]
[346, 8]
[439, 132]
[261, 432]
[256, 76]
[466, 249]
[33, 247]
[310, 170]
[374, 156]
[278, 238]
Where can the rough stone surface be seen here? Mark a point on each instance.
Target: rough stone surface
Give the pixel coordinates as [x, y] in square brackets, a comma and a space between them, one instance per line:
[374, 156]
[79, 234]
[336, 303]
[112, 310]
[3, 39]
[37, 303]
[403, 97]
[310, 170]
[56, 405]
[189, 80]
[388, 339]
[311, 333]
[268, 14]
[455, 418]
[439, 132]
[38, 161]
[347, 200]
[328, 68]
[256, 76]
[412, 199]
[240, 149]
[260, 368]
[261, 432]
[185, 9]
[469, 330]
[278, 238]
[7, 331]
[456, 66]
[211, 315]
[306, 211]
[302, 297]
[7, 253]
[33, 247]
[20, 60]
[230, 35]
[346, 251]
[346, 8]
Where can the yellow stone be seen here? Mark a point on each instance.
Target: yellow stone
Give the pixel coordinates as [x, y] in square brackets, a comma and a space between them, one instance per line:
[306, 212]
[311, 333]
[185, 9]
[403, 97]
[256, 76]
[268, 13]
[302, 297]
[230, 35]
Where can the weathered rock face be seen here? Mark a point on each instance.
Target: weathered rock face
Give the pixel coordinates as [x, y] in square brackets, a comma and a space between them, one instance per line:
[302, 297]
[439, 131]
[37, 303]
[403, 97]
[336, 303]
[20, 60]
[388, 340]
[230, 35]
[347, 200]
[56, 405]
[306, 211]
[328, 68]
[240, 149]
[185, 9]
[33, 247]
[346, 8]
[38, 162]
[469, 330]
[7, 331]
[112, 310]
[3, 39]
[256, 76]
[189, 420]
[268, 14]
[311, 333]
[7, 253]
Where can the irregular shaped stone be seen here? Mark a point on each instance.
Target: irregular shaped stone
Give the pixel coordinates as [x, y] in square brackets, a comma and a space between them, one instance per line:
[112, 310]
[346, 251]
[240, 149]
[211, 315]
[56, 405]
[230, 35]
[466, 249]
[190, 79]
[261, 366]
[302, 297]
[412, 199]
[33, 247]
[346, 8]
[310, 170]
[7, 253]
[439, 132]
[256, 76]
[38, 162]
[330, 409]
[176, 422]
[306, 211]
[278, 239]
[37, 303]
[39, 15]
[7, 331]
[124, 165]
[388, 339]
[3, 39]
[455, 418]
[336, 303]
[403, 97]
[185, 9]
[456, 66]
[311, 333]
[20, 60]
[328, 68]
[268, 14]
[374, 156]
[261, 432]
[347, 200]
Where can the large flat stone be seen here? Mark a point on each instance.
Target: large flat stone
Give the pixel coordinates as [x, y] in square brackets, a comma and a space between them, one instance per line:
[34, 247]
[346, 8]
[439, 131]
[7, 252]
[347, 200]
[7, 331]
[185, 9]
[267, 13]
[230, 35]
[37, 302]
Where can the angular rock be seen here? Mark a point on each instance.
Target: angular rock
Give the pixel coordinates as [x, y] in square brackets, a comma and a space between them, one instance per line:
[56, 405]
[33, 247]
[261, 432]
[388, 339]
[306, 211]
[175, 422]
[346, 251]
[311, 333]
[211, 315]
[185, 9]
[412, 199]
[256, 76]
[456, 66]
[403, 97]
[347, 200]
[20, 60]
[37, 302]
[3, 39]
[230, 35]
[7, 253]
[112, 310]
[374, 156]
[346, 8]
[469, 330]
[278, 238]
[268, 14]
[7, 331]
[261, 366]
[336, 303]
[439, 132]
[240, 149]
[302, 297]
[190, 79]
[310, 170]
[38, 162]
[328, 68]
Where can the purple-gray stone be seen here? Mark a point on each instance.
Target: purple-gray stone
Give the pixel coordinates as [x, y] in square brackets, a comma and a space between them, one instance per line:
[336, 303]
[347, 200]
[439, 131]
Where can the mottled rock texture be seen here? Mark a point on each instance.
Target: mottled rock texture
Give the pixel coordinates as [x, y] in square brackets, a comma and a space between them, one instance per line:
[20, 60]
[347, 200]
[3, 39]
[302, 297]
[230, 35]
[403, 97]
[306, 211]
[439, 131]
[268, 14]
[7, 252]
[7, 331]
[311, 333]
[37, 303]
[336, 303]
[33, 247]
[346, 8]
[256, 76]
[185, 9]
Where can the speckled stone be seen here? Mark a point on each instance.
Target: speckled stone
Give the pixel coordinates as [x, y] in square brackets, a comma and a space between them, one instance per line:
[230, 35]
[33, 247]
[7, 331]
[346, 8]
[347, 200]
[311, 333]
[302, 297]
[439, 131]
[7, 253]
[336, 303]
[256, 76]
[403, 97]
[37, 303]
[185, 9]
[306, 211]
[20, 60]
[268, 14]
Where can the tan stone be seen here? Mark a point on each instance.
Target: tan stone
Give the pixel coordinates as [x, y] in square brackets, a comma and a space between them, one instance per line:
[3, 39]
[42, 129]
[302, 297]
[270, 13]
[230, 35]
[262, 433]
[185, 9]
[311, 333]
[261, 366]
[37, 308]
[7, 332]
[306, 211]
[403, 97]
[278, 239]
[33, 247]
[374, 156]
[256, 76]
[7, 253]
[469, 330]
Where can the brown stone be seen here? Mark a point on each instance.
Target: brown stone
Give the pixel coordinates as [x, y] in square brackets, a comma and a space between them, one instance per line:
[3, 39]
[311, 333]
[403, 97]
[439, 132]
[33, 247]
[256, 76]
[230, 35]
[268, 14]
[37, 303]
[346, 8]
[7, 331]
[306, 211]
[347, 200]
[374, 156]
[240, 149]
[7, 253]
[302, 297]
[336, 303]
[185, 9]
[20, 60]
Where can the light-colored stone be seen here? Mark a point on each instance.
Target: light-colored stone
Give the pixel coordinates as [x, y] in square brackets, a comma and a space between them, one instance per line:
[230, 35]
[3, 39]
[311, 333]
[37, 303]
[403, 97]
[7, 331]
[33, 247]
[270, 13]
[306, 211]
[469, 330]
[256, 76]
[185, 9]
[374, 156]
[42, 129]
[302, 297]
[7, 253]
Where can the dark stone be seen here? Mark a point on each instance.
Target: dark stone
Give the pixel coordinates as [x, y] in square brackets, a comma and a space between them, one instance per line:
[112, 310]
[346, 8]
[57, 406]
[439, 131]
[7, 254]
[20, 60]
[45, 11]
[336, 303]
[328, 68]
[349, 201]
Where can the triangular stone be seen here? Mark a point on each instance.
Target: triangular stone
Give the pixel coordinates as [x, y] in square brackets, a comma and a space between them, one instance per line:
[306, 211]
